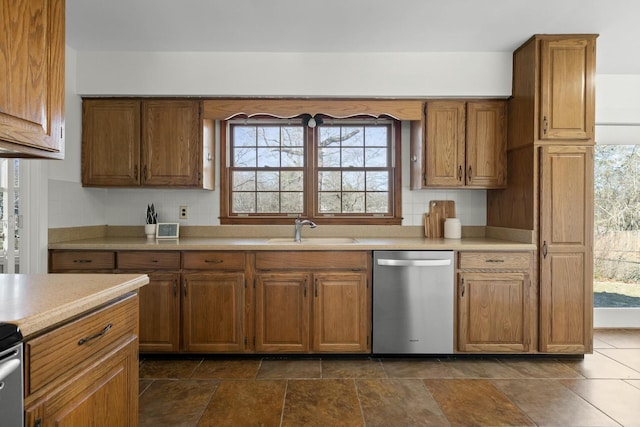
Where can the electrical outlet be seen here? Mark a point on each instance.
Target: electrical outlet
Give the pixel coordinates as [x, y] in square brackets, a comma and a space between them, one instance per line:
[184, 212]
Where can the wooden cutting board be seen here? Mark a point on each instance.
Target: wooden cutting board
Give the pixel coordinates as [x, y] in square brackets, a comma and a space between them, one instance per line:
[439, 210]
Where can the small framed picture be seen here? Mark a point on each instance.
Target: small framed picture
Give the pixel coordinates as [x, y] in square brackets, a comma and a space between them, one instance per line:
[167, 230]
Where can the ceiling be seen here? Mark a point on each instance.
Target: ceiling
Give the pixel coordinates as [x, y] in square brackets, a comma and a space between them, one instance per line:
[353, 26]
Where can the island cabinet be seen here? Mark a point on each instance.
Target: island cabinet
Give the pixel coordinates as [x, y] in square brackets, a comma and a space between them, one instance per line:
[493, 303]
[32, 48]
[85, 372]
[159, 300]
[464, 145]
[213, 302]
[312, 302]
[144, 142]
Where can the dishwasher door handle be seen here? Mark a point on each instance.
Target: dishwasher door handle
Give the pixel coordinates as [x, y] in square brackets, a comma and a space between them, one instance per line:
[414, 262]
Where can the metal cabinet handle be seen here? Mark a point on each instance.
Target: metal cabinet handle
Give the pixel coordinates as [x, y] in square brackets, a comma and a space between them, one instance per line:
[214, 261]
[469, 172]
[316, 288]
[184, 287]
[495, 260]
[305, 288]
[98, 335]
[460, 173]
[546, 124]
[144, 174]
[82, 261]
[545, 250]
[462, 283]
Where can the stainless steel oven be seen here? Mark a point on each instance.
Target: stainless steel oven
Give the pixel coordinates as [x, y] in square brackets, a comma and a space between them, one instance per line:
[11, 379]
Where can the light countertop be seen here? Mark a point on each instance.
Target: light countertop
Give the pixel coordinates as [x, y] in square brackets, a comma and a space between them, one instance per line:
[36, 302]
[265, 244]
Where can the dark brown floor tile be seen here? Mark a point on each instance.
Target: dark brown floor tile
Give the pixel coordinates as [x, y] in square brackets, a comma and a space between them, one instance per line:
[478, 368]
[616, 398]
[332, 402]
[367, 368]
[246, 403]
[541, 368]
[598, 365]
[175, 402]
[619, 338]
[475, 402]
[227, 369]
[549, 403]
[143, 385]
[398, 402]
[418, 368]
[289, 368]
[168, 369]
[627, 356]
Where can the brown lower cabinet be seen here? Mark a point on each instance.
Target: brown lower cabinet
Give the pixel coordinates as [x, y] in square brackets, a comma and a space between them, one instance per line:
[243, 301]
[315, 302]
[493, 303]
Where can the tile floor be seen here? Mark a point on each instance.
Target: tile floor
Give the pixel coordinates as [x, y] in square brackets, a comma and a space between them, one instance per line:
[603, 389]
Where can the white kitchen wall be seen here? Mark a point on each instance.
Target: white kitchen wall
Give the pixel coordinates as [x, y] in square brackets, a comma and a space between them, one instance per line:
[280, 74]
[257, 74]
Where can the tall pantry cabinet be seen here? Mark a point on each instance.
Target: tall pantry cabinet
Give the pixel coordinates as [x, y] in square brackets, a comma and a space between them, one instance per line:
[550, 188]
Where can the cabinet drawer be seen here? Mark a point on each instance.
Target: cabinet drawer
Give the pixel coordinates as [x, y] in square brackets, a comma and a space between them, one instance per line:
[65, 348]
[316, 260]
[149, 260]
[213, 260]
[82, 260]
[495, 260]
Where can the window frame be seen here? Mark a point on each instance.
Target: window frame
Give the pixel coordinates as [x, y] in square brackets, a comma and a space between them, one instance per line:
[310, 179]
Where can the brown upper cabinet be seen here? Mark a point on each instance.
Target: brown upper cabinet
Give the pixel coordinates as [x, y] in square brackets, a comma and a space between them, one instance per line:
[464, 145]
[151, 143]
[32, 69]
[554, 90]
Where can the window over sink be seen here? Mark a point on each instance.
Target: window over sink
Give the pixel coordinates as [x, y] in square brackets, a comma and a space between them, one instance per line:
[338, 171]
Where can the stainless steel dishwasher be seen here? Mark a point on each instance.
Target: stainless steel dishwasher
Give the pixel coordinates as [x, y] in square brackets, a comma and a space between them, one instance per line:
[413, 293]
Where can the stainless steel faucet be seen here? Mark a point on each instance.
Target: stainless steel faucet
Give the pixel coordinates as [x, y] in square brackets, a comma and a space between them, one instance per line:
[299, 223]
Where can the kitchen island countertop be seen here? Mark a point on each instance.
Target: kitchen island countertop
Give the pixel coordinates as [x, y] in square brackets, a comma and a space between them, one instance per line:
[36, 302]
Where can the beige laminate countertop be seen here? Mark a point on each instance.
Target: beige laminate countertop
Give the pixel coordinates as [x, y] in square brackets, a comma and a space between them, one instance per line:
[264, 244]
[36, 302]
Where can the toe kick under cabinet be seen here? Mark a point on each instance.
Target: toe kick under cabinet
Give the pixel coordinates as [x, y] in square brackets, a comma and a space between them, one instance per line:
[494, 294]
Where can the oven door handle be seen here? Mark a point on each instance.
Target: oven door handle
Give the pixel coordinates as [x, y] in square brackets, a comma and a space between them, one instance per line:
[414, 262]
[7, 368]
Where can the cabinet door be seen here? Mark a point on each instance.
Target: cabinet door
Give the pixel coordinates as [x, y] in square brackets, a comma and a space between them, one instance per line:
[110, 142]
[445, 137]
[213, 312]
[486, 144]
[32, 68]
[567, 88]
[171, 146]
[341, 318]
[282, 312]
[566, 249]
[493, 312]
[160, 313]
[105, 394]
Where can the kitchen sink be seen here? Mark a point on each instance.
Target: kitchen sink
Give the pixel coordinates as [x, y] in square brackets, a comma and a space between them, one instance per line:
[313, 240]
